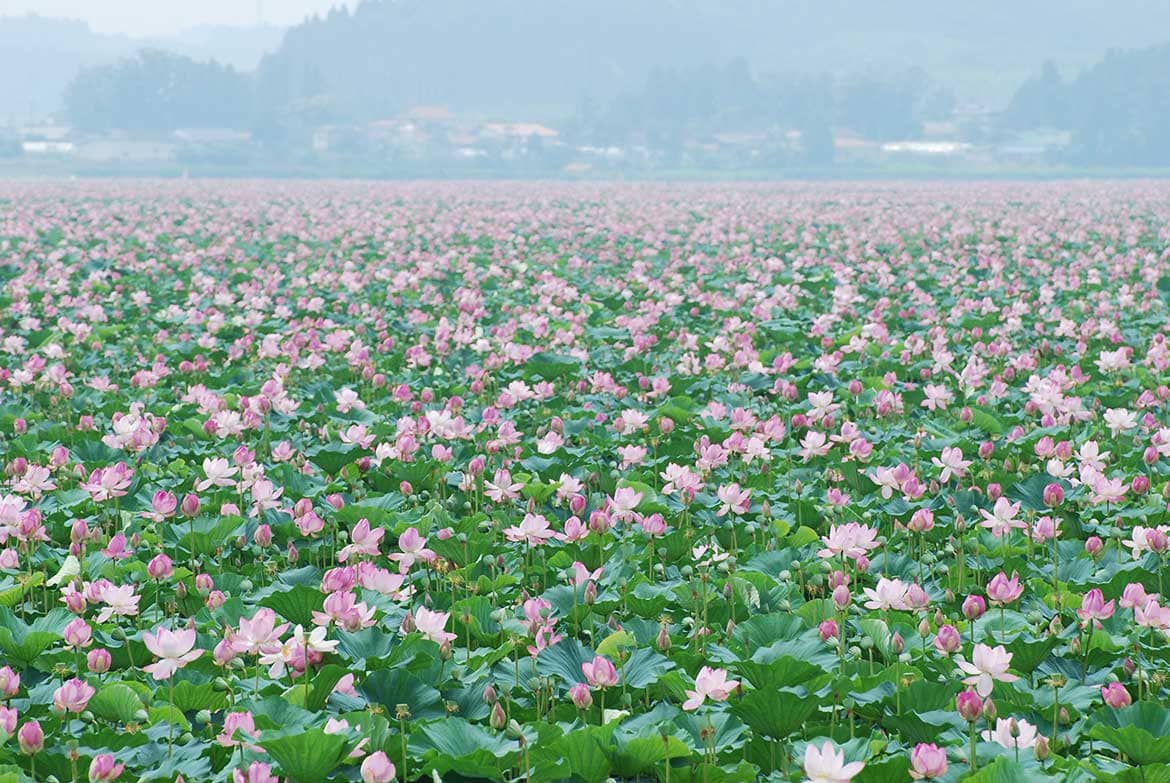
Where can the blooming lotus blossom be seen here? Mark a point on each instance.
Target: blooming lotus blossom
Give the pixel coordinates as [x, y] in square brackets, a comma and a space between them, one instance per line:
[413, 548]
[73, 696]
[987, 665]
[1002, 519]
[1095, 608]
[600, 672]
[951, 464]
[257, 633]
[363, 541]
[1012, 733]
[432, 625]
[174, 648]
[120, 601]
[733, 500]
[888, 594]
[533, 530]
[827, 765]
[709, 684]
[219, 473]
[850, 540]
[625, 503]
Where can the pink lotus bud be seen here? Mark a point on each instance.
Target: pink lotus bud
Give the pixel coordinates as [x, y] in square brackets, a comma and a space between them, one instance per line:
[662, 642]
[160, 567]
[489, 694]
[293, 554]
[841, 597]
[828, 630]
[986, 449]
[405, 488]
[969, 706]
[1115, 695]
[263, 536]
[581, 697]
[215, 599]
[947, 640]
[75, 602]
[164, 503]
[77, 633]
[1140, 485]
[378, 768]
[927, 761]
[994, 491]
[98, 661]
[59, 457]
[974, 607]
[19, 426]
[9, 682]
[31, 738]
[190, 504]
[1156, 540]
[921, 521]
[497, 718]
[965, 414]
[1053, 495]
[104, 767]
[1094, 545]
[1150, 455]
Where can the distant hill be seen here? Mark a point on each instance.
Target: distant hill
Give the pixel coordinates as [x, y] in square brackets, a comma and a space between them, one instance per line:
[536, 56]
[39, 56]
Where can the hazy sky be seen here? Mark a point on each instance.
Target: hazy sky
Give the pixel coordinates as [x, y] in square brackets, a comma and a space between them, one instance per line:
[155, 17]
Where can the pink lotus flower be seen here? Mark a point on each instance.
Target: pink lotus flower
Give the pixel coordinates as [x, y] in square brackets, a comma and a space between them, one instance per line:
[174, 648]
[73, 696]
[850, 540]
[733, 500]
[1002, 590]
[988, 664]
[1002, 519]
[259, 632]
[258, 772]
[104, 767]
[378, 768]
[432, 625]
[362, 541]
[1012, 734]
[709, 684]
[413, 548]
[827, 765]
[600, 672]
[533, 530]
[1095, 608]
[625, 503]
[927, 761]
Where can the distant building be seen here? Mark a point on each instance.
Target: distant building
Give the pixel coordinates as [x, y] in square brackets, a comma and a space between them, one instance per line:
[109, 150]
[47, 147]
[212, 136]
[927, 148]
[518, 130]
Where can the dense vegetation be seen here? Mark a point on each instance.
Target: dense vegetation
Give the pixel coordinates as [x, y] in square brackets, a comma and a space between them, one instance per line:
[501, 483]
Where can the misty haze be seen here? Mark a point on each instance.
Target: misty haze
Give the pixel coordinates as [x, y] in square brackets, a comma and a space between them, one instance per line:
[625, 391]
[518, 88]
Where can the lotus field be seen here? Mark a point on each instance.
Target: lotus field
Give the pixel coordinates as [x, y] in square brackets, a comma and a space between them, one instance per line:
[545, 483]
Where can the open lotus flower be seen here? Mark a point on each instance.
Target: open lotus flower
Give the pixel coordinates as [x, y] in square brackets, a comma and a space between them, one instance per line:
[987, 665]
[173, 648]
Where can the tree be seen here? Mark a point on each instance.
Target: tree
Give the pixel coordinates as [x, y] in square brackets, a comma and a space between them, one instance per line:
[157, 92]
